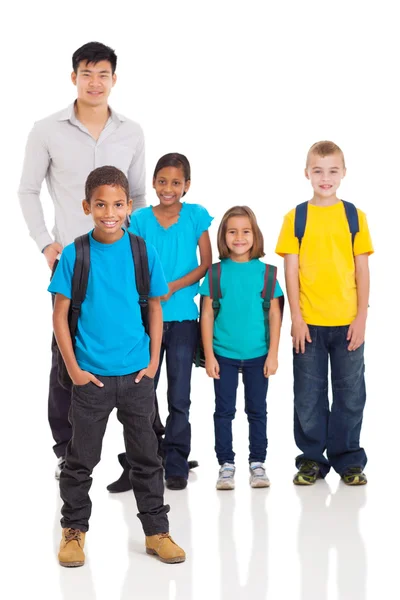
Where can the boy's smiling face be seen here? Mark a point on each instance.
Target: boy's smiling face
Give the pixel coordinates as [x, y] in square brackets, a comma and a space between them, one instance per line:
[325, 174]
[109, 208]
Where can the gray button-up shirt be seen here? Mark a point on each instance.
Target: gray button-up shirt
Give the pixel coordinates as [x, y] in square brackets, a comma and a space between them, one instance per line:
[61, 150]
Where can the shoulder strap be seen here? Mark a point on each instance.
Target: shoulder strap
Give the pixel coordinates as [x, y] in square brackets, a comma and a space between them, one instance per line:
[267, 294]
[142, 275]
[80, 280]
[352, 219]
[300, 221]
[214, 282]
[269, 282]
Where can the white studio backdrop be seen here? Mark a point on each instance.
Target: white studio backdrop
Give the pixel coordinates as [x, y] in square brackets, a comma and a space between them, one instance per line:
[242, 89]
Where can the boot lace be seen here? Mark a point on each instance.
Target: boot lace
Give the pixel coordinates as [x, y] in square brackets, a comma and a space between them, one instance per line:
[73, 534]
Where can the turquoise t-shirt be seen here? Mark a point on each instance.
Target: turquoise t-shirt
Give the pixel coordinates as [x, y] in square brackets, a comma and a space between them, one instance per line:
[110, 339]
[177, 249]
[239, 330]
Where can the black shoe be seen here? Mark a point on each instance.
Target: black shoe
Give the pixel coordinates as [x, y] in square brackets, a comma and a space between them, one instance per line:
[192, 464]
[122, 484]
[176, 483]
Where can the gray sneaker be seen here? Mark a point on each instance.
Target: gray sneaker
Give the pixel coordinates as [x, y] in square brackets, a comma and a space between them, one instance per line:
[258, 476]
[226, 477]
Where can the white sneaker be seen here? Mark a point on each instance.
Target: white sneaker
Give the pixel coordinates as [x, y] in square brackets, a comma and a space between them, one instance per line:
[59, 467]
[226, 477]
[258, 476]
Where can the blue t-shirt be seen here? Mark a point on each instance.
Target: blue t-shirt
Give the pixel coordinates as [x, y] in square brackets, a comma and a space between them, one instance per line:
[177, 248]
[110, 338]
[239, 330]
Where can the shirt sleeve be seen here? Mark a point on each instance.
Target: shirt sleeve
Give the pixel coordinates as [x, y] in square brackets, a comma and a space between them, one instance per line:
[34, 170]
[287, 241]
[158, 283]
[202, 219]
[205, 286]
[278, 290]
[137, 174]
[61, 282]
[362, 240]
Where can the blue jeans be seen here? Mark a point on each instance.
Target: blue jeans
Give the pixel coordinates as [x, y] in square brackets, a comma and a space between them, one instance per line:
[178, 344]
[255, 394]
[316, 428]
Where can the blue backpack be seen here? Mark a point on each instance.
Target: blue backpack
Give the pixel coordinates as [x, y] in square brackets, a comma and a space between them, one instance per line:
[300, 220]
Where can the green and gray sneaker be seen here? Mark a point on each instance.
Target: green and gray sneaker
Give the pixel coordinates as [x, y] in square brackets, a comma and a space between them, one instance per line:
[354, 476]
[308, 473]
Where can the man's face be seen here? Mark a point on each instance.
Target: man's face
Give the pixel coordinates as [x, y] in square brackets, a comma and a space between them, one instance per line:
[94, 82]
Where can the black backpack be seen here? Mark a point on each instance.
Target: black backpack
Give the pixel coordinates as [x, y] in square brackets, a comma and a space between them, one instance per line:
[214, 280]
[79, 286]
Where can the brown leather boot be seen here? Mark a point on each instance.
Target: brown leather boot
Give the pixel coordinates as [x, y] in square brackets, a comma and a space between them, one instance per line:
[163, 546]
[71, 548]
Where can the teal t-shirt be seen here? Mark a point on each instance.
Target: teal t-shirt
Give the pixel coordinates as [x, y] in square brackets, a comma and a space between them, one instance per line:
[177, 249]
[110, 338]
[239, 330]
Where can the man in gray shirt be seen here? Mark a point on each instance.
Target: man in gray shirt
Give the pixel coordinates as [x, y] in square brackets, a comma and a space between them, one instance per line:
[63, 149]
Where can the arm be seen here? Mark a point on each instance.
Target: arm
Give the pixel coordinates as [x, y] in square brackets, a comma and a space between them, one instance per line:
[64, 342]
[275, 322]
[155, 332]
[207, 334]
[137, 175]
[36, 164]
[300, 331]
[356, 333]
[197, 273]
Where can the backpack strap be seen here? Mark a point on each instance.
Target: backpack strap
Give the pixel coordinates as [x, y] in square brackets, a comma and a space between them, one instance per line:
[80, 280]
[300, 220]
[142, 275]
[214, 282]
[268, 294]
[352, 219]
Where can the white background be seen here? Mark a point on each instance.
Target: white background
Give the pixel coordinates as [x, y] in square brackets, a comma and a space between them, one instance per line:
[243, 89]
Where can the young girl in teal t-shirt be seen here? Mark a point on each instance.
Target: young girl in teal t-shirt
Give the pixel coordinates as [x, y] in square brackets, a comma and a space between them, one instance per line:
[237, 340]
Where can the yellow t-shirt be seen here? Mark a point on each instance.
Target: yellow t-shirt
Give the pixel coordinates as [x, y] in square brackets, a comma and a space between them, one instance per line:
[328, 291]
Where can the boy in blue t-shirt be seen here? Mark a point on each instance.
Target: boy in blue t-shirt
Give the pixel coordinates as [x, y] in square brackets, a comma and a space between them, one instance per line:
[111, 366]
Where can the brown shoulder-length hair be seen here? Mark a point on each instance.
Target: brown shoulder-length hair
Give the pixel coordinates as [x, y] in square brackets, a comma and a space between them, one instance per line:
[257, 251]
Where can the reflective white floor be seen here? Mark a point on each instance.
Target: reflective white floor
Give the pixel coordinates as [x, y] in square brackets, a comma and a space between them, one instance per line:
[321, 543]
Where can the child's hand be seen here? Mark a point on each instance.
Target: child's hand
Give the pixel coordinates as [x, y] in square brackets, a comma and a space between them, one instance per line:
[171, 291]
[356, 333]
[149, 371]
[270, 365]
[84, 377]
[300, 334]
[212, 367]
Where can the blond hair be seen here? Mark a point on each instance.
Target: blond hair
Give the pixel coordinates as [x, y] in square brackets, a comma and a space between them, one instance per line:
[325, 148]
[257, 250]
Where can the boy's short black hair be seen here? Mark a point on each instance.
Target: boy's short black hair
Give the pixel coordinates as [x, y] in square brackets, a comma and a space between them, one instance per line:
[105, 176]
[94, 52]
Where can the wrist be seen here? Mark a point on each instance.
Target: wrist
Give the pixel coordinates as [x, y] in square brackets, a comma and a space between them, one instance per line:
[362, 314]
[297, 316]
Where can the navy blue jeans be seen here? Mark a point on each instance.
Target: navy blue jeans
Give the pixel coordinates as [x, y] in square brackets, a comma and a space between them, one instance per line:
[178, 344]
[316, 427]
[255, 395]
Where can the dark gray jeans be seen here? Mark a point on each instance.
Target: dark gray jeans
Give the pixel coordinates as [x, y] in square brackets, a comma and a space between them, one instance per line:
[89, 412]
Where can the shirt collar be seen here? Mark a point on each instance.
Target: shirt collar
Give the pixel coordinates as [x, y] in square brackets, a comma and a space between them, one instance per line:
[68, 114]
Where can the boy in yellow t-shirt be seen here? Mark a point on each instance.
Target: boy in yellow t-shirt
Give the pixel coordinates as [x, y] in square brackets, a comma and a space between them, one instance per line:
[326, 244]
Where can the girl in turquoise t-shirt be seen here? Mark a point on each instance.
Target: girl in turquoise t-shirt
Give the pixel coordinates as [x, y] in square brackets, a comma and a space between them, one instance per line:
[177, 229]
[237, 340]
